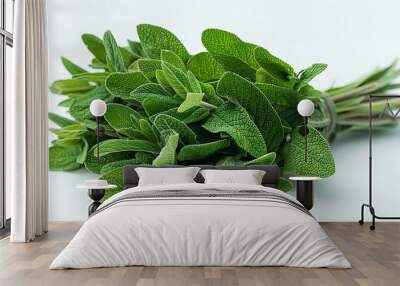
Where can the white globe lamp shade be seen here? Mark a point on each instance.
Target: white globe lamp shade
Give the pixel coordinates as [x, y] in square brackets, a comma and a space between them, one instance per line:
[98, 107]
[305, 108]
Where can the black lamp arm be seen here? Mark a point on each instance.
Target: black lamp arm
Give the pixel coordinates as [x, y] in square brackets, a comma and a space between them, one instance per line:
[99, 134]
[303, 129]
[304, 132]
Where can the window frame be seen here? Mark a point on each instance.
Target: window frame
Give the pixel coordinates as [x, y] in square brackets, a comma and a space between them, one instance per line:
[6, 39]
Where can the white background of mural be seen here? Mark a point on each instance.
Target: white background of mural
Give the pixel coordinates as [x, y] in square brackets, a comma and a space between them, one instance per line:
[351, 36]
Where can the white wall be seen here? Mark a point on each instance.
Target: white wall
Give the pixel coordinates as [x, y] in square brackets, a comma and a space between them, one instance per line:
[351, 36]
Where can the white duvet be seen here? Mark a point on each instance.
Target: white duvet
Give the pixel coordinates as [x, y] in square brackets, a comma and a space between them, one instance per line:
[200, 231]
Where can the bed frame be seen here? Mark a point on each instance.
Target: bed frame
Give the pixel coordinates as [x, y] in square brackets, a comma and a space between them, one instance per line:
[270, 179]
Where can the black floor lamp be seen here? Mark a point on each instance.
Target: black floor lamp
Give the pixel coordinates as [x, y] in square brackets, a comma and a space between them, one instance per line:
[97, 189]
[304, 184]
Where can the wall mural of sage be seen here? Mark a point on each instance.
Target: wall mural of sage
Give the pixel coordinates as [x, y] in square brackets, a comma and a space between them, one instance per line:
[233, 104]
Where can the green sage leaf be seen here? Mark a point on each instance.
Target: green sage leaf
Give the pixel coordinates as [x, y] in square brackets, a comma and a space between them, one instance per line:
[125, 145]
[193, 82]
[120, 117]
[192, 100]
[96, 46]
[256, 104]
[309, 73]
[210, 95]
[68, 86]
[63, 158]
[235, 121]
[173, 59]
[113, 177]
[200, 152]
[154, 39]
[320, 162]
[117, 164]
[165, 122]
[284, 100]
[205, 67]
[167, 154]
[97, 78]
[94, 163]
[70, 131]
[114, 59]
[266, 159]
[231, 52]
[144, 158]
[122, 84]
[60, 120]
[136, 49]
[82, 156]
[148, 131]
[273, 65]
[192, 115]
[176, 79]
[72, 68]
[147, 66]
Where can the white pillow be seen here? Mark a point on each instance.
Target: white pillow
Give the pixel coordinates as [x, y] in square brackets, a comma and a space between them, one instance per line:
[247, 177]
[166, 176]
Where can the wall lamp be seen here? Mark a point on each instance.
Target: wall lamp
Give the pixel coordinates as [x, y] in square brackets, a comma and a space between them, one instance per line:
[98, 108]
[305, 108]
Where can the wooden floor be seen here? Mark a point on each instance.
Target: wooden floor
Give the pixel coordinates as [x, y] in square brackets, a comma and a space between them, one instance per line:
[375, 257]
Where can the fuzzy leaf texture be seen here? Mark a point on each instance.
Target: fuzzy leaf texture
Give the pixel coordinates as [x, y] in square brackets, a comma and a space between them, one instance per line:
[69, 86]
[154, 39]
[205, 67]
[122, 84]
[198, 152]
[192, 99]
[148, 67]
[190, 116]
[117, 164]
[176, 78]
[234, 103]
[63, 158]
[125, 145]
[234, 120]
[167, 154]
[173, 59]
[113, 177]
[256, 104]
[273, 65]
[60, 120]
[115, 61]
[94, 164]
[231, 52]
[72, 68]
[96, 46]
[165, 122]
[120, 117]
[266, 159]
[309, 73]
[320, 162]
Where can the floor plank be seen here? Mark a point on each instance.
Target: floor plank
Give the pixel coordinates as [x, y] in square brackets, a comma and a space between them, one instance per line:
[375, 257]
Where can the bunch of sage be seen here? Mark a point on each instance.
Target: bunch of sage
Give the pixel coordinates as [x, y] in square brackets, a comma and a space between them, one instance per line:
[233, 104]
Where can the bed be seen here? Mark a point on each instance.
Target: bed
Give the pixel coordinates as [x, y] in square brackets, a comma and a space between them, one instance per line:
[198, 224]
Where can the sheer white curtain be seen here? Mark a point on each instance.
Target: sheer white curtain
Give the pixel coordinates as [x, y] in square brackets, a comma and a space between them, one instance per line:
[26, 117]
